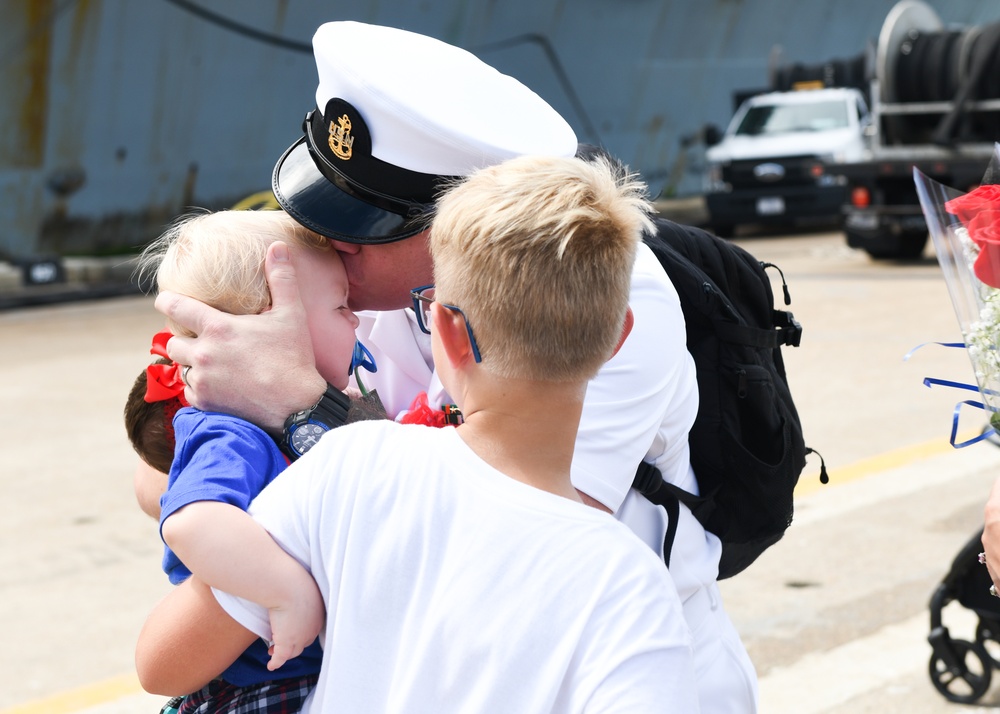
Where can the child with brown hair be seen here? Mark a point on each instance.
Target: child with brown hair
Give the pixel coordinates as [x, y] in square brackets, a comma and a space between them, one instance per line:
[218, 258]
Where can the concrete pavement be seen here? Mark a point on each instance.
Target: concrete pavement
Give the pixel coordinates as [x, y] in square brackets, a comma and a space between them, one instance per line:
[835, 616]
[884, 670]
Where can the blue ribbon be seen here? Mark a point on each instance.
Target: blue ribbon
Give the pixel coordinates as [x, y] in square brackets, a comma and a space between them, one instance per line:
[940, 344]
[930, 381]
[954, 425]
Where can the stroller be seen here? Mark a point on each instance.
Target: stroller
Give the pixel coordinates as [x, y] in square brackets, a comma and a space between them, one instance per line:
[959, 669]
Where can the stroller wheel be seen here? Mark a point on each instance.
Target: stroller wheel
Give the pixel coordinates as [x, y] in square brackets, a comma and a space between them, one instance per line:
[968, 679]
[988, 637]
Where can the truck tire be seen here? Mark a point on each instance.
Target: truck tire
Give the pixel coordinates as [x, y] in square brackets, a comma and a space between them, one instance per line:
[908, 246]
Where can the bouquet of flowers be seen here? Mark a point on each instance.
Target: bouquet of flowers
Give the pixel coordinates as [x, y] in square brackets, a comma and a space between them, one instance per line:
[965, 228]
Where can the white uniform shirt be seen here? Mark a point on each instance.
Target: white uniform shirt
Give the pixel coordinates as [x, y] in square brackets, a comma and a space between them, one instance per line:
[451, 587]
[640, 406]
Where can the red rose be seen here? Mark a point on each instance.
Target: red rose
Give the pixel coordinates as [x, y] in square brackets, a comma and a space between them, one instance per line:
[984, 231]
[984, 227]
[987, 265]
[967, 206]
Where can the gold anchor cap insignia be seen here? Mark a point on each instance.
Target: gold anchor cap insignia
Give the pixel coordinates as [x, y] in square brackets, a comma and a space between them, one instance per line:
[341, 141]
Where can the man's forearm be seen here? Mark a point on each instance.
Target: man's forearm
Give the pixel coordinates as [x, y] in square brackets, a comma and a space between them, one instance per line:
[187, 641]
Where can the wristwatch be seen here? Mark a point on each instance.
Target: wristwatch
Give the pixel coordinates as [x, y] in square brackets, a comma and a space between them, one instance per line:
[303, 429]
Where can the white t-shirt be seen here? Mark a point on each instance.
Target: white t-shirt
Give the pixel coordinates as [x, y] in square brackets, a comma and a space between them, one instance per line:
[640, 406]
[451, 587]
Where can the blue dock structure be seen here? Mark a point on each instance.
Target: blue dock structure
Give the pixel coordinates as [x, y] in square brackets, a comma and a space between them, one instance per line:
[119, 114]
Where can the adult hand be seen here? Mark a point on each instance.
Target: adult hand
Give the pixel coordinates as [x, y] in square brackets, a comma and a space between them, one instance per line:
[991, 533]
[258, 367]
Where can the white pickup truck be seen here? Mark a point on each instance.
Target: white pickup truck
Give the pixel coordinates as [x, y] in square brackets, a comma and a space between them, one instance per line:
[771, 164]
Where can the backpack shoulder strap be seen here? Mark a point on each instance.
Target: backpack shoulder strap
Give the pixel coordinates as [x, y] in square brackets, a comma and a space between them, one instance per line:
[649, 482]
[701, 265]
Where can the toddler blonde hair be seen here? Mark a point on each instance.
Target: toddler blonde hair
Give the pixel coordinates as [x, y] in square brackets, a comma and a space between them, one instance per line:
[218, 258]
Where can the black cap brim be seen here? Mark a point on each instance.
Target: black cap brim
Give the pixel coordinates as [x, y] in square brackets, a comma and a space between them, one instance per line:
[333, 209]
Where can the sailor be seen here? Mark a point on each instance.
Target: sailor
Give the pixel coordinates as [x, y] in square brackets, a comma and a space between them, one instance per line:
[398, 115]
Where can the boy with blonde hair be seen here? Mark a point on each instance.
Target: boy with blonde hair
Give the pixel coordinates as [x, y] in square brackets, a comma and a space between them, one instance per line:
[213, 457]
[570, 214]
[459, 568]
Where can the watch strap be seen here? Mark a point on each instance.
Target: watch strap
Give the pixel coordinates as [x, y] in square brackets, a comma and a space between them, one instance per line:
[332, 408]
[330, 411]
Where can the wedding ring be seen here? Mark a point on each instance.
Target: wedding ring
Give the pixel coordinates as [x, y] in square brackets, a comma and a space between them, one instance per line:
[993, 591]
[184, 373]
[982, 558]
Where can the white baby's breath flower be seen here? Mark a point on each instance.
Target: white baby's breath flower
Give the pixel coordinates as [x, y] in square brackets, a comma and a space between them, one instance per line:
[982, 338]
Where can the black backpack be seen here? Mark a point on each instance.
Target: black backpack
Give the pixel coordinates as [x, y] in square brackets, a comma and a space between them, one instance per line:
[747, 449]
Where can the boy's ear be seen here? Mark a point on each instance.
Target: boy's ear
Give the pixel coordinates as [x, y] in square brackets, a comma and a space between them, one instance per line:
[454, 338]
[626, 329]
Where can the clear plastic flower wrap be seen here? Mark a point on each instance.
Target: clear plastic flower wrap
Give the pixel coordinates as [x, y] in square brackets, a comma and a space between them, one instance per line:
[965, 228]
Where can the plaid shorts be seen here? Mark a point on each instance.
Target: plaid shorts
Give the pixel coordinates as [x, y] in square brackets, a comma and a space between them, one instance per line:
[282, 696]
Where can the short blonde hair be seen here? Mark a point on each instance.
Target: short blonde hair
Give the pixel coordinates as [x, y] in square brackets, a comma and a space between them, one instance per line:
[218, 258]
[538, 252]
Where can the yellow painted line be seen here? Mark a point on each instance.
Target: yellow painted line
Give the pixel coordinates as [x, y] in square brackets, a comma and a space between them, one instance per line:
[809, 483]
[78, 699]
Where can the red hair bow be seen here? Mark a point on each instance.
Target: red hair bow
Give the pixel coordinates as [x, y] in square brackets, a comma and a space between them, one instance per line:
[163, 381]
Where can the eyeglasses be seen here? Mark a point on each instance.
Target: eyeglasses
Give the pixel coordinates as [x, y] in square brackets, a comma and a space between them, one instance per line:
[422, 299]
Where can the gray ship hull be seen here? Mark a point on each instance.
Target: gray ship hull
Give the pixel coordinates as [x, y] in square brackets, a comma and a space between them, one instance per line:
[119, 114]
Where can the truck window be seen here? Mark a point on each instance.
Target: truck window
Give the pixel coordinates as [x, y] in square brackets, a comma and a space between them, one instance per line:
[862, 112]
[784, 118]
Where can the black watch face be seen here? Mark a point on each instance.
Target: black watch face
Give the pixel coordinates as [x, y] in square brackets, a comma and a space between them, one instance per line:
[305, 436]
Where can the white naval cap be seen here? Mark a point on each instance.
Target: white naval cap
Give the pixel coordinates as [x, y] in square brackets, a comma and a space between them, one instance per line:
[398, 116]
